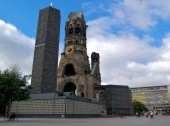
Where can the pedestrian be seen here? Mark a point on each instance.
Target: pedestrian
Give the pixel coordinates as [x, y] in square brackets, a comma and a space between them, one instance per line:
[12, 116]
[136, 114]
[139, 114]
[151, 114]
[102, 113]
[146, 114]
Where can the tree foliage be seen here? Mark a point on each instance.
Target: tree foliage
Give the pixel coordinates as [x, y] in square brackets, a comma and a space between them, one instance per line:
[139, 106]
[12, 87]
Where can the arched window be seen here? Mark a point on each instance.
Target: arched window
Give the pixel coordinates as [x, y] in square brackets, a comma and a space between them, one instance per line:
[70, 87]
[78, 30]
[70, 30]
[70, 42]
[77, 42]
[69, 70]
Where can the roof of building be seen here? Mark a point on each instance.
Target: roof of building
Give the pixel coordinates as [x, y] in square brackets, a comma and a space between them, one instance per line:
[113, 85]
[150, 86]
[50, 8]
[75, 15]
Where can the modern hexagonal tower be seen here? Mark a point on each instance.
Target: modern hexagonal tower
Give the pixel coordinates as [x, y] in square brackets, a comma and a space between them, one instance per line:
[46, 52]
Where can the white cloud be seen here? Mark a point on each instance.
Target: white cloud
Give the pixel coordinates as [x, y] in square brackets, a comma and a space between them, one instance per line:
[89, 7]
[126, 58]
[141, 14]
[15, 48]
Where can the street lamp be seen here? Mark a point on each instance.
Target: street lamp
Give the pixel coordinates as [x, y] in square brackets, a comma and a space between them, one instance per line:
[21, 88]
[113, 105]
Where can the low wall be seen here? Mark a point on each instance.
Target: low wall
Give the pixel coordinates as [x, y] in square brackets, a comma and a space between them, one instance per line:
[69, 107]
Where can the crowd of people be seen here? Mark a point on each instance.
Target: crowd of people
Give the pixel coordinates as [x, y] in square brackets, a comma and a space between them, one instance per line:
[147, 114]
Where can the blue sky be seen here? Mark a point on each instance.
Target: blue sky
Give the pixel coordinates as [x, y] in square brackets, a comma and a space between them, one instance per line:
[24, 13]
[132, 36]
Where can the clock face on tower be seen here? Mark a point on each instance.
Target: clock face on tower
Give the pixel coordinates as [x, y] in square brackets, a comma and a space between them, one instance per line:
[69, 49]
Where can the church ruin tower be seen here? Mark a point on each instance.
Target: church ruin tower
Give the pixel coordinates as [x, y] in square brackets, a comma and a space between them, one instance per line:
[95, 65]
[46, 52]
[74, 73]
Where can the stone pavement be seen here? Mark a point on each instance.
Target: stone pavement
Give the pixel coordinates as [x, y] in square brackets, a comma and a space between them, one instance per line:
[116, 121]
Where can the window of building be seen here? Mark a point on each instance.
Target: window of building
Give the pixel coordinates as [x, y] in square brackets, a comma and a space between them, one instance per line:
[70, 42]
[69, 70]
[70, 29]
[77, 42]
[70, 87]
[77, 30]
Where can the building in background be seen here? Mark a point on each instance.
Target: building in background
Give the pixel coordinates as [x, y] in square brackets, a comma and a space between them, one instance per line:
[153, 97]
[118, 99]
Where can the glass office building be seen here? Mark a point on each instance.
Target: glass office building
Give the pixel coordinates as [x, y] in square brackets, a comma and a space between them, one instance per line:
[154, 97]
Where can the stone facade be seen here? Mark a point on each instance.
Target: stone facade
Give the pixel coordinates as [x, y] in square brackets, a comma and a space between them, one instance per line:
[46, 51]
[74, 73]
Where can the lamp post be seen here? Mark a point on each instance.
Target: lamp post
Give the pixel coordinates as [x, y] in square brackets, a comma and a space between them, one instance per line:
[17, 110]
[113, 106]
[7, 110]
[16, 99]
[21, 88]
[156, 101]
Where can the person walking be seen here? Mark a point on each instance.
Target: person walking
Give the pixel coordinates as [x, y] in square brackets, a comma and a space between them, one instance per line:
[151, 114]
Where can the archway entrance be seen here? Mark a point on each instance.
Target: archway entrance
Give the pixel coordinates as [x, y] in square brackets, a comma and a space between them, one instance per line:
[69, 70]
[70, 88]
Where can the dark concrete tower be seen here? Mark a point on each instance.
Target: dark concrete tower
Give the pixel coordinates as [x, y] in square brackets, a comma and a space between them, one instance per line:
[46, 51]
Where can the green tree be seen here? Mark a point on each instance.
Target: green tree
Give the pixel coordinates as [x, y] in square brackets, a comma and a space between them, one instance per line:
[139, 106]
[12, 87]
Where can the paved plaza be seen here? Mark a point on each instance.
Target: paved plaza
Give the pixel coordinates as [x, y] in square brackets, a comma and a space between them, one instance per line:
[116, 121]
